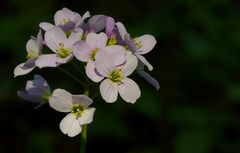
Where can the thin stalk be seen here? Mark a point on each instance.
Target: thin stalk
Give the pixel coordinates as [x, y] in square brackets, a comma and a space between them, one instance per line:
[72, 76]
[84, 129]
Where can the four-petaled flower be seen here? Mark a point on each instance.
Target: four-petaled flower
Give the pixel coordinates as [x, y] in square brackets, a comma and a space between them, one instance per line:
[37, 90]
[86, 51]
[62, 46]
[117, 80]
[34, 50]
[77, 106]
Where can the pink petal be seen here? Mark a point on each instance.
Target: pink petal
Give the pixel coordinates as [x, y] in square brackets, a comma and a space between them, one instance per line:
[117, 54]
[129, 90]
[81, 51]
[47, 60]
[109, 91]
[103, 63]
[96, 40]
[147, 42]
[92, 72]
[130, 65]
[54, 37]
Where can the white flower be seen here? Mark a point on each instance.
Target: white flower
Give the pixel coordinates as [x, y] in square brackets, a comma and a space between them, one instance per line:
[34, 50]
[62, 46]
[117, 80]
[65, 19]
[86, 51]
[77, 106]
[139, 46]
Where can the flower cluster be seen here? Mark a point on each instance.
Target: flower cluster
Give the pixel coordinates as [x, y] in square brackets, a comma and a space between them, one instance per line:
[110, 56]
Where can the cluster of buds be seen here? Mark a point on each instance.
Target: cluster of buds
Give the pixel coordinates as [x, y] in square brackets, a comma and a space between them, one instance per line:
[110, 56]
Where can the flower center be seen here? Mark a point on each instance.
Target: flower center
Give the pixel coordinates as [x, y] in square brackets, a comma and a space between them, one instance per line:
[77, 110]
[112, 41]
[64, 21]
[116, 76]
[32, 54]
[137, 43]
[62, 51]
[93, 53]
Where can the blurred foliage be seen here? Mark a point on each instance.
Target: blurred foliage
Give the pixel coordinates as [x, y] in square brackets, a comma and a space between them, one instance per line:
[196, 62]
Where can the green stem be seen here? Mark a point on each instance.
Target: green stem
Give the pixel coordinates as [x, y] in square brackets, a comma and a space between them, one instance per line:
[83, 139]
[72, 76]
[84, 128]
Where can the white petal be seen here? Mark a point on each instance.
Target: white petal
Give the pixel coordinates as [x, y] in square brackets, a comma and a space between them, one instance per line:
[103, 63]
[130, 65]
[47, 60]
[96, 40]
[92, 72]
[32, 46]
[82, 100]
[46, 26]
[20, 71]
[129, 90]
[87, 116]
[117, 54]
[70, 126]
[86, 15]
[145, 62]
[54, 37]
[150, 79]
[81, 51]
[122, 30]
[61, 100]
[109, 91]
[75, 36]
[147, 42]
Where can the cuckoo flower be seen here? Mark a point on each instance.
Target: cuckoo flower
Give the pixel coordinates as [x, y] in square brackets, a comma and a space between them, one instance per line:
[117, 80]
[86, 52]
[34, 49]
[139, 46]
[77, 106]
[62, 46]
[95, 24]
[66, 19]
[37, 90]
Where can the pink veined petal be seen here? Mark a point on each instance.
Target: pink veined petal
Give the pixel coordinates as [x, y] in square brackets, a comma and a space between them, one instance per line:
[70, 125]
[47, 60]
[92, 72]
[61, 100]
[75, 36]
[117, 54]
[81, 51]
[129, 90]
[147, 42]
[110, 23]
[82, 100]
[87, 116]
[109, 91]
[130, 65]
[32, 46]
[18, 71]
[40, 41]
[46, 26]
[122, 30]
[97, 40]
[54, 37]
[103, 63]
[144, 61]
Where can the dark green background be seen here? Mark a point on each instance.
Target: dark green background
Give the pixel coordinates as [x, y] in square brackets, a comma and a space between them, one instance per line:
[196, 62]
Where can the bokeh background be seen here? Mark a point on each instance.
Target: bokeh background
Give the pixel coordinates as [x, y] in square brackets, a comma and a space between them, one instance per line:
[196, 62]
